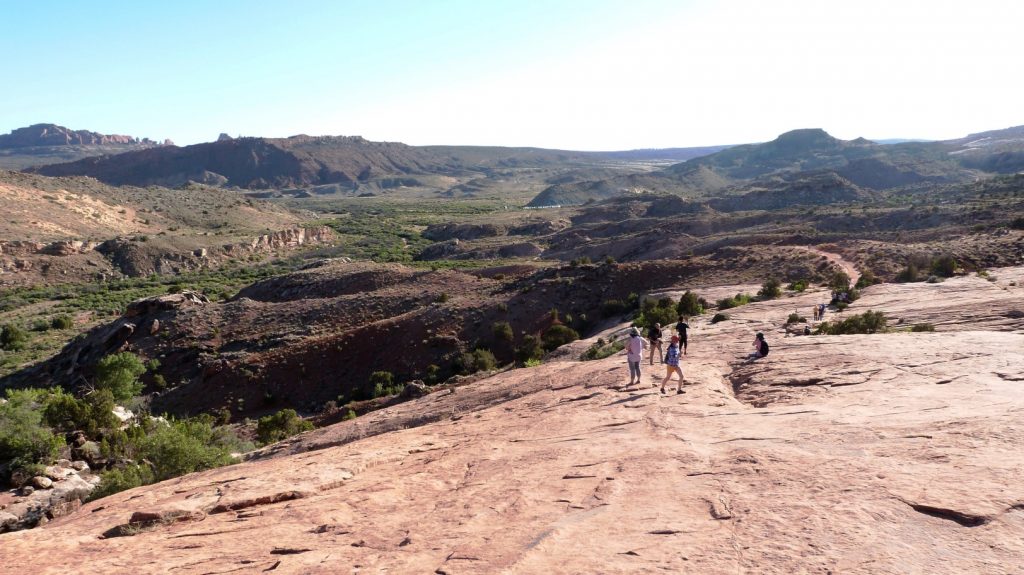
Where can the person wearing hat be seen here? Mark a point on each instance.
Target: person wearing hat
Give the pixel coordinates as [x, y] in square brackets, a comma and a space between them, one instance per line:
[635, 354]
[672, 365]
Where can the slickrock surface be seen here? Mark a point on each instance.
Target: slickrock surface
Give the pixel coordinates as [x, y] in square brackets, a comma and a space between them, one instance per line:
[888, 453]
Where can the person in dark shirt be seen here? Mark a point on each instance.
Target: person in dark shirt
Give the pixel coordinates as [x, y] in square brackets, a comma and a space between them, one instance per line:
[681, 328]
[654, 336]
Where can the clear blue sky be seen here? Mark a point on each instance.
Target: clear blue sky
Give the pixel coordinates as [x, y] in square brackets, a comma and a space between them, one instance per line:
[591, 74]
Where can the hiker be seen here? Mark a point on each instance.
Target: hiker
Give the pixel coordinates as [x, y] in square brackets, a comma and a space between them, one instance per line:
[807, 330]
[815, 312]
[654, 335]
[635, 354]
[821, 311]
[681, 328]
[760, 347]
[672, 365]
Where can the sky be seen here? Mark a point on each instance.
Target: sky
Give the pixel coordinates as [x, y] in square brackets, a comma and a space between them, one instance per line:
[580, 75]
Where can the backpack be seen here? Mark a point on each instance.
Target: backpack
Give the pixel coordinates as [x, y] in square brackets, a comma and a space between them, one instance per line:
[764, 348]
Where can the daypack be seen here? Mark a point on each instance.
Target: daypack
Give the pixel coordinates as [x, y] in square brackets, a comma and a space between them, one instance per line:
[764, 348]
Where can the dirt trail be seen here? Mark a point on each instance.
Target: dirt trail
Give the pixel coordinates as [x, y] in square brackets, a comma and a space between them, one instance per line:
[898, 449]
[836, 259]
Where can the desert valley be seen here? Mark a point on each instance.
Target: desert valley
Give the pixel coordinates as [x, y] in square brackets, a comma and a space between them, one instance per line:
[329, 354]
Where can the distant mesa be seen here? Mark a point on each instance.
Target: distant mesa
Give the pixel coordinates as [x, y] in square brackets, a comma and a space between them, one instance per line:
[54, 135]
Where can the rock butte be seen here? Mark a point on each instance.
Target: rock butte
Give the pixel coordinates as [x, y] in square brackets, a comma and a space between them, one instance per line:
[888, 453]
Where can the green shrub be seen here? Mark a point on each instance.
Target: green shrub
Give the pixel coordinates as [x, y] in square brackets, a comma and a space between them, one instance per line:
[24, 438]
[770, 289]
[840, 282]
[533, 362]
[795, 318]
[797, 286]
[867, 322]
[94, 412]
[502, 331]
[12, 338]
[62, 322]
[909, 274]
[529, 349]
[350, 414]
[383, 384]
[281, 425]
[183, 446]
[600, 349]
[944, 266]
[663, 311]
[433, 374]
[120, 373]
[477, 360]
[866, 279]
[735, 301]
[690, 304]
[919, 327]
[558, 335]
[719, 317]
[117, 480]
[40, 325]
[613, 307]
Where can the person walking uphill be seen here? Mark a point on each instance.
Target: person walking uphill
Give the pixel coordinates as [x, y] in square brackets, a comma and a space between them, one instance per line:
[654, 335]
[635, 354]
[672, 365]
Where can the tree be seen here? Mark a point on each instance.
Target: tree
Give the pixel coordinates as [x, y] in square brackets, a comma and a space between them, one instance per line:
[24, 439]
[689, 304]
[281, 425]
[120, 373]
[529, 349]
[840, 282]
[944, 266]
[502, 331]
[770, 289]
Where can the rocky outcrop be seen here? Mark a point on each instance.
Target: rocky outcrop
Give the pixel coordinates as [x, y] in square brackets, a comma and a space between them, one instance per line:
[292, 238]
[59, 492]
[54, 135]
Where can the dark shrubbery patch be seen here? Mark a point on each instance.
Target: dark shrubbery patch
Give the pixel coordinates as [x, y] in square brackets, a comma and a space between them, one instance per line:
[477, 360]
[719, 317]
[502, 331]
[944, 266]
[909, 274]
[921, 327]
[558, 335]
[796, 318]
[613, 307]
[529, 350]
